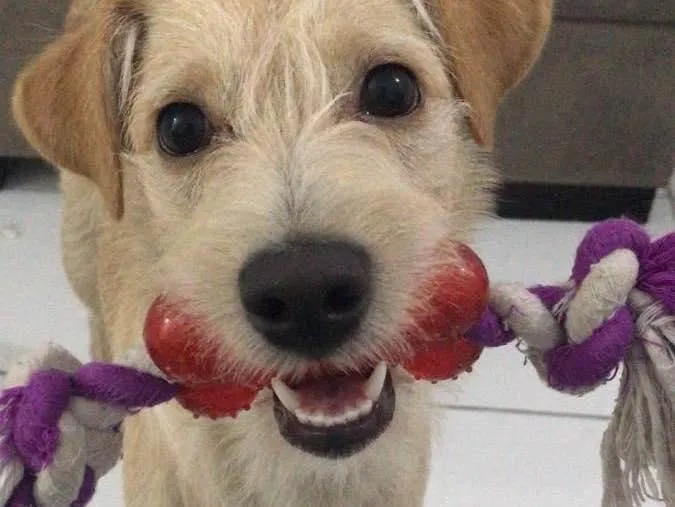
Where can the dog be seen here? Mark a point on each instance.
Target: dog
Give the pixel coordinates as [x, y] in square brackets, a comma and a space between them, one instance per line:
[221, 150]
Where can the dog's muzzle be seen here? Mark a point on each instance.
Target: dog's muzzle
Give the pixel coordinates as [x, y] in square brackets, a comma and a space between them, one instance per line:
[289, 295]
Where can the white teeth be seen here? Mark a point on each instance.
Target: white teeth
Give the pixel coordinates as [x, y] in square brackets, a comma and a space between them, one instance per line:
[337, 420]
[318, 420]
[326, 421]
[303, 417]
[351, 415]
[366, 408]
[375, 383]
[286, 395]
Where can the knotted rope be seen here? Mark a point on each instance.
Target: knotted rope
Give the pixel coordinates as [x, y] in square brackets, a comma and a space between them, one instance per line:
[618, 307]
[60, 425]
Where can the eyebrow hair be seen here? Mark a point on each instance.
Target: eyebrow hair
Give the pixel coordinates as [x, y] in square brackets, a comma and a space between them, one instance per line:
[426, 19]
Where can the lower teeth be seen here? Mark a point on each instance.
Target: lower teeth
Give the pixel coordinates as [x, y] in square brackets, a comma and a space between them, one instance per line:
[326, 421]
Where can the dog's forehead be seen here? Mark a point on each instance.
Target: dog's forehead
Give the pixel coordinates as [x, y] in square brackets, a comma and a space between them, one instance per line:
[244, 60]
[219, 47]
[250, 21]
[272, 11]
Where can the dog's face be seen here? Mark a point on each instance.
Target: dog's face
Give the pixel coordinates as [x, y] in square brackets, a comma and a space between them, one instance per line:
[295, 167]
[301, 163]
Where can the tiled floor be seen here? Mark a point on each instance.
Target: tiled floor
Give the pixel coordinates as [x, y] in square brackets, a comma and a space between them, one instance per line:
[503, 439]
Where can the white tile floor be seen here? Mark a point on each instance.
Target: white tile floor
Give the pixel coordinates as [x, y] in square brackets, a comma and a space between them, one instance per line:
[506, 440]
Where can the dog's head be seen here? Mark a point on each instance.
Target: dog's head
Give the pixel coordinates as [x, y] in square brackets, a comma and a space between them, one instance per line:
[294, 168]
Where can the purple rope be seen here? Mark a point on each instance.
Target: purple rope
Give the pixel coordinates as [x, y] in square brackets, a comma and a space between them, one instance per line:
[36, 433]
[87, 490]
[29, 415]
[574, 366]
[549, 295]
[603, 239]
[9, 404]
[490, 331]
[657, 259]
[122, 386]
[23, 493]
[657, 272]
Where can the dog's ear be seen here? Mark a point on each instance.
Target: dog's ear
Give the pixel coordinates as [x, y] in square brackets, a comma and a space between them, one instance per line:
[490, 45]
[66, 101]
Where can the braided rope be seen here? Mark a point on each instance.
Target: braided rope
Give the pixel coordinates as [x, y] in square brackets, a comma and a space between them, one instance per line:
[60, 424]
[577, 334]
[618, 307]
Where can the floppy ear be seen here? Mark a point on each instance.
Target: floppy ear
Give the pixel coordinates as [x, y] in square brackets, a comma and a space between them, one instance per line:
[490, 46]
[66, 102]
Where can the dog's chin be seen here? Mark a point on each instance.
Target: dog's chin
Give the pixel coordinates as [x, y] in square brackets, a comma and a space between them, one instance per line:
[335, 416]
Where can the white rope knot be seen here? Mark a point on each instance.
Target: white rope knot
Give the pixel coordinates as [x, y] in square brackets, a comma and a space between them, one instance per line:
[618, 307]
[60, 425]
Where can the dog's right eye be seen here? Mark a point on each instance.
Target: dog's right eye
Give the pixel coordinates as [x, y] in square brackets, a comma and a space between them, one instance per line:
[389, 91]
[182, 128]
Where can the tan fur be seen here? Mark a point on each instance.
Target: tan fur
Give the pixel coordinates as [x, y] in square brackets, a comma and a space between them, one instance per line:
[491, 45]
[291, 155]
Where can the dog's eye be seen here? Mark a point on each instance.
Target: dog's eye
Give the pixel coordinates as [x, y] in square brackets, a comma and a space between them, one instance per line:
[389, 90]
[182, 128]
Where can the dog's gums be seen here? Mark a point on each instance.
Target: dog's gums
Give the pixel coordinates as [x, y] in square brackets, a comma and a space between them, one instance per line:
[326, 413]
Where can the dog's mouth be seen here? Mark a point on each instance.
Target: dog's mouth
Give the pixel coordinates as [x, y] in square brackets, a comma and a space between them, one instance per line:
[335, 416]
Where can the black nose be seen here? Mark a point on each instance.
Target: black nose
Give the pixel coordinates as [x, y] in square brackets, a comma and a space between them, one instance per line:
[307, 296]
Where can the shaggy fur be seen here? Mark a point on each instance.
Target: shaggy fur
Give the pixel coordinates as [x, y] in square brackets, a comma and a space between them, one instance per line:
[291, 155]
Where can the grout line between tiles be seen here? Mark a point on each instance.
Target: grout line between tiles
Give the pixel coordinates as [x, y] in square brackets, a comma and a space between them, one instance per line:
[521, 411]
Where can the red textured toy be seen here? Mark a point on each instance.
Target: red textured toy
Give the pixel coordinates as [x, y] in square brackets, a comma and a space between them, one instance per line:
[458, 297]
[175, 343]
[217, 400]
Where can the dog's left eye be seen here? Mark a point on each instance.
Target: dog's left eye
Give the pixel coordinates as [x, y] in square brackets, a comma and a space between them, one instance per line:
[182, 128]
[390, 90]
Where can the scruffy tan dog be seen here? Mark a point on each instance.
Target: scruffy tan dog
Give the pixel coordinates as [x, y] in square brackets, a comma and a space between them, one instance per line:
[286, 168]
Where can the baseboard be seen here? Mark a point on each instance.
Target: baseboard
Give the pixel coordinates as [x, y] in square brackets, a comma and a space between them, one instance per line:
[3, 175]
[574, 202]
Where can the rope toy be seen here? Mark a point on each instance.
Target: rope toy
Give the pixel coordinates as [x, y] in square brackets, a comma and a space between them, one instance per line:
[60, 421]
[60, 424]
[618, 307]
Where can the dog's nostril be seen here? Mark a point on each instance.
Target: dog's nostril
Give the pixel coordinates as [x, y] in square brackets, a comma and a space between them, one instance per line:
[270, 309]
[342, 300]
